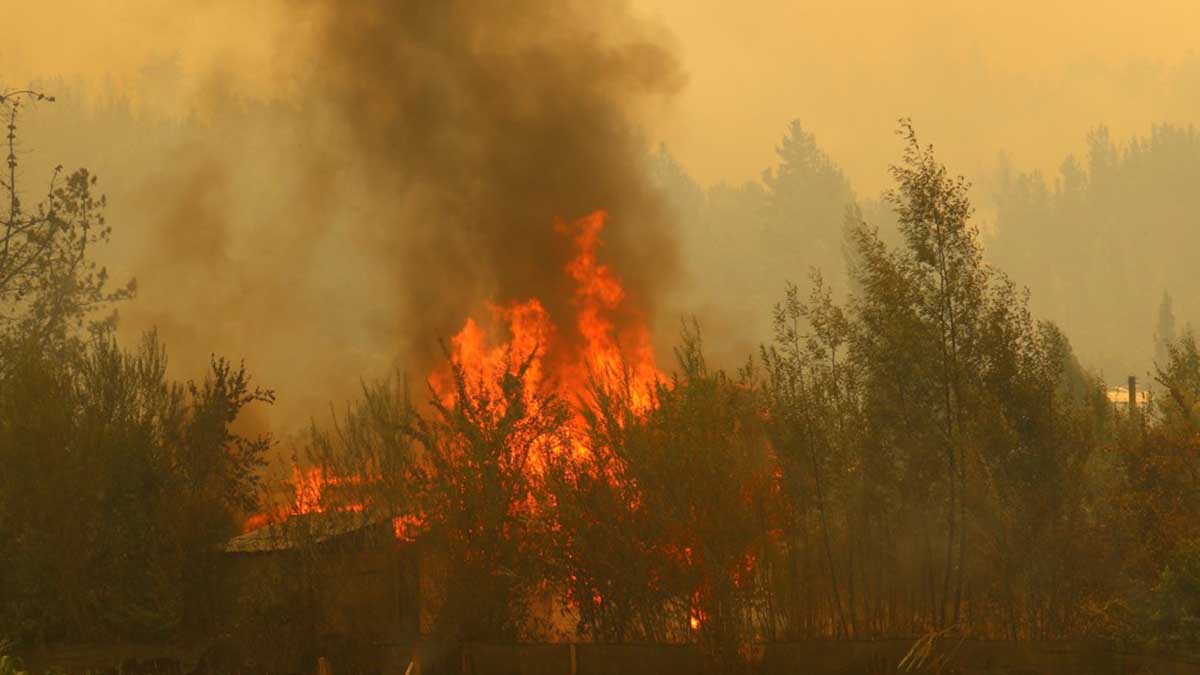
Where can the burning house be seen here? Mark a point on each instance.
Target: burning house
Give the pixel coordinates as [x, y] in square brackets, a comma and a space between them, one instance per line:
[353, 570]
[322, 583]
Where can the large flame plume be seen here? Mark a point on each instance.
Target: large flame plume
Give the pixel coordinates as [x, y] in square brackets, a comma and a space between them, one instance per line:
[607, 344]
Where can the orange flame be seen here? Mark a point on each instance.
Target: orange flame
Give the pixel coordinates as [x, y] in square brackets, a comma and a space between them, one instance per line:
[617, 353]
[696, 615]
[309, 488]
[309, 496]
[607, 351]
[607, 342]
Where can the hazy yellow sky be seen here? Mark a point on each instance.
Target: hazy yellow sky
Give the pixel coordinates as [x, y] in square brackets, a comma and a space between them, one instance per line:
[977, 77]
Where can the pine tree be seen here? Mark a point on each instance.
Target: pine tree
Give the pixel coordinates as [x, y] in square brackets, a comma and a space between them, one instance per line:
[1164, 331]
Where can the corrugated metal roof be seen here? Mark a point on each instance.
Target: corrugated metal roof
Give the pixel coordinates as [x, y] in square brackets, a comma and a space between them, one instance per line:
[300, 530]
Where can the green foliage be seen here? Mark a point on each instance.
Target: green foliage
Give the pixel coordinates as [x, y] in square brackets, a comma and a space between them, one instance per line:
[920, 457]
[813, 423]
[610, 553]
[370, 446]
[884, 467]
[479, 495]
[918, 428]
[118, 487]
[1175, 609]
[703, 476]
[9, 664]
[49, 283]
[1180, 377]
[1155, 515]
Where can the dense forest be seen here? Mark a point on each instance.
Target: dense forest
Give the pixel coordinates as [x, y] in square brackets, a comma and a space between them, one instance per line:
[1091, 243]
[896, 439]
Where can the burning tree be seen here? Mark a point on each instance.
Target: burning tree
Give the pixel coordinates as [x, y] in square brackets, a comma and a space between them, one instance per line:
[703, 500]
[482, 506]
[557, 462]
[507, 425]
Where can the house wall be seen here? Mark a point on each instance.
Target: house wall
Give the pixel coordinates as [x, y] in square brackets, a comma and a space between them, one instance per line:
[340, 598]
[369, 593]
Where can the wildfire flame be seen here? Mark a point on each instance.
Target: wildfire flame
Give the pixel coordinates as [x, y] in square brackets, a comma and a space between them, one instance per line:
[309, 495]
[607, 341]
[307, 487]
[608, 351]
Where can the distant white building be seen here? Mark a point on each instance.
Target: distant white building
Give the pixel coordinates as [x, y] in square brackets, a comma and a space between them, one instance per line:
[1120, 396]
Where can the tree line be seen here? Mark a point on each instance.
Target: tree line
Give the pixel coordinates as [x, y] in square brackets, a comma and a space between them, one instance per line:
[916, 454]
[116, 483]
[922, 456]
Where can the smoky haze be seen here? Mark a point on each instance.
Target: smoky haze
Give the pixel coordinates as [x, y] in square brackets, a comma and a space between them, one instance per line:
[486, 122]
[326, 189]
[412, 176]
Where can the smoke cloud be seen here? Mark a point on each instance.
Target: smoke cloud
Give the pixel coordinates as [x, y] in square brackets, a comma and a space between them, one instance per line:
[478, 125]
[325, 188]
[400, 166]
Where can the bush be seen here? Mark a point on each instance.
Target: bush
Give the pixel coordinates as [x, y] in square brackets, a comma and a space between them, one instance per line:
[118, 486]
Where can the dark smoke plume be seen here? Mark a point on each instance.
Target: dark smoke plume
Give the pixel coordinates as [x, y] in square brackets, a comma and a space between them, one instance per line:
[479, 124]
[410, 173]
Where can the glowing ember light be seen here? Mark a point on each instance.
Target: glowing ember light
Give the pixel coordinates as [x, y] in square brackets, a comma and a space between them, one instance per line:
[256, 521]
[406, 527]
[696, 616]
[743, 574]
